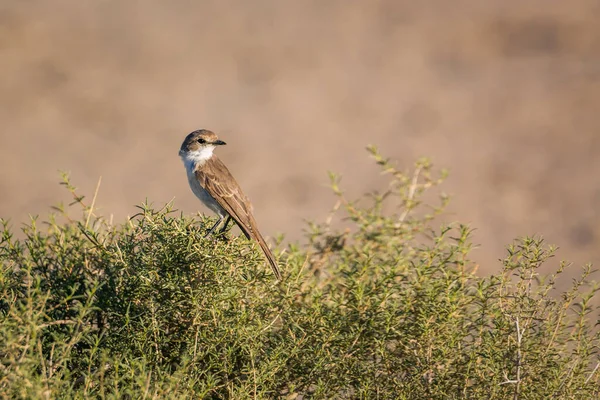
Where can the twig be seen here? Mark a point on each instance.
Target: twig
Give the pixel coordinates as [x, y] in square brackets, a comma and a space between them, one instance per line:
[411, 194]
[593, 372]
[516, 381]
[271, 323]
[332, 213]
[57, 322]
[93, 202]
[519, 337]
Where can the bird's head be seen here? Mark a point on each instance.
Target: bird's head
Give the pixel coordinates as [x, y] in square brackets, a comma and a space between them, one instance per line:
[199, 145]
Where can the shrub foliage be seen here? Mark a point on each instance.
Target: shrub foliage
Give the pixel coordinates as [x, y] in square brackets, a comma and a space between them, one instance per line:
[387, 305]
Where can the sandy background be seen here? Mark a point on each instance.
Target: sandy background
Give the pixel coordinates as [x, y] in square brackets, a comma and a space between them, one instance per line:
[504, 94]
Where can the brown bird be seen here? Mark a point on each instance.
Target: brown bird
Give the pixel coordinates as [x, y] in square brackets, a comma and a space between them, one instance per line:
[214, 185]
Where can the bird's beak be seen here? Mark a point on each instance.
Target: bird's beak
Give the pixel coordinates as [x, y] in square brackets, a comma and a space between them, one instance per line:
[219, 143]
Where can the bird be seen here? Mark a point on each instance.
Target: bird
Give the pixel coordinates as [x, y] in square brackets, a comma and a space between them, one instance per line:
[213, 184]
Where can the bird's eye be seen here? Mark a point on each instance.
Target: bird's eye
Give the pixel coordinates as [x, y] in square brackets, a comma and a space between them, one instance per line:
[201, 141]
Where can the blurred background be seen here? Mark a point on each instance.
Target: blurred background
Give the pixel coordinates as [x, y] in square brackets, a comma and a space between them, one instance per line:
[506, 95]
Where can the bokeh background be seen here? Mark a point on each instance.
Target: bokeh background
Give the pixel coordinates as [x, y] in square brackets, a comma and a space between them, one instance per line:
[506, 94]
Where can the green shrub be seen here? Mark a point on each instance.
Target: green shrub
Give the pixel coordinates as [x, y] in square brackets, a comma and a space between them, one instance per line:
[386, 306]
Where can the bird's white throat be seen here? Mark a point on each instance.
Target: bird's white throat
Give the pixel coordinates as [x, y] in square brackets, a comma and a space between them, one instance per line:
[193, 159]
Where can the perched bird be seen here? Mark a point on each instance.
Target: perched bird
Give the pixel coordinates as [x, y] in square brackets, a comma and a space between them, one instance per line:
[214, 185]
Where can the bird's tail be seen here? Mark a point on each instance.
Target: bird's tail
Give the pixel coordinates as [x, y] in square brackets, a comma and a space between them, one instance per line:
[251, 231]
[268, 254]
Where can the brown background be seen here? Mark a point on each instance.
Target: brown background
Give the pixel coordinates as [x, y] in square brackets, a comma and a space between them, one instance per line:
[505, 94]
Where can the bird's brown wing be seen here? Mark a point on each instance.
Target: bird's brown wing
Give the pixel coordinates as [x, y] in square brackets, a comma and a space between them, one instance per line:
[216, 179]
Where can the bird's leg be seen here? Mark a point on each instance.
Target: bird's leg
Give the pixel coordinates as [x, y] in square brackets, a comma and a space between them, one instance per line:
[224, 228]
[211, 230]
[221, 234]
